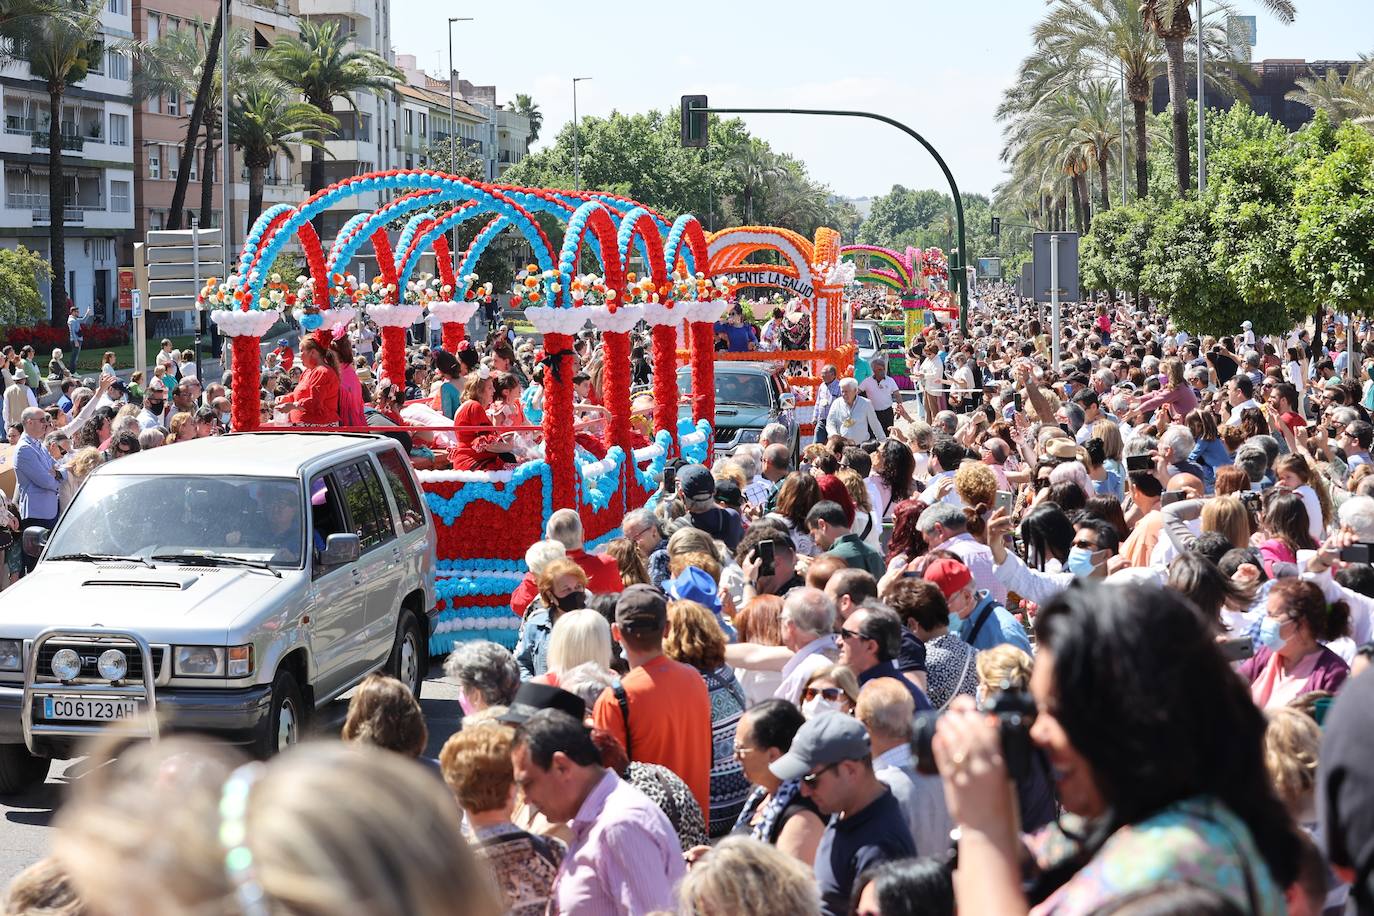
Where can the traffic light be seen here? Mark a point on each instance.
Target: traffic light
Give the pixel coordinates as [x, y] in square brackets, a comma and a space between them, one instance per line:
[997, 228]
[694, 121]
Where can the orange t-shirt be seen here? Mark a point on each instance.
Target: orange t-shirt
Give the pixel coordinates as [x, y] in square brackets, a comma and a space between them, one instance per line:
[1136, 549]
[670, 721]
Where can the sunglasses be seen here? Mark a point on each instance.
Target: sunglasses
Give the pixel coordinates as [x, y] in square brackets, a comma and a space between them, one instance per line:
[811, 779]
[851, 634]
[832, 694]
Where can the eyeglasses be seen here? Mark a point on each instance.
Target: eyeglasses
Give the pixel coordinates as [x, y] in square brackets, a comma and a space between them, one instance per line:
[851, 634]
[741, 749]
[811, 779]
[832, 694]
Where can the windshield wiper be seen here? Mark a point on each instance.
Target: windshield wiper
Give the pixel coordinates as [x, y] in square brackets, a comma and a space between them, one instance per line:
[104, 558]
[215, 559]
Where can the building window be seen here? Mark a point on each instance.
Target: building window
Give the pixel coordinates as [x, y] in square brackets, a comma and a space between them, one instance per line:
[173, 23]
[173, 165]
[118, 7]
[365, 134]
[410, 161]
[195, 162]
[154, 103]
[120, 196]
[173, 104]
[154, 162]
[154, 219]
[424, 125]
[409, 121]
[154, 27]
[117, 67]
[119, 130]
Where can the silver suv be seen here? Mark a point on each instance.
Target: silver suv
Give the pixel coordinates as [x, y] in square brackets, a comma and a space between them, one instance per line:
[232, 585]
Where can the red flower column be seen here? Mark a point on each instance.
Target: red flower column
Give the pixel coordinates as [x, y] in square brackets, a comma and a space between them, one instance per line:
[245, 403]
[616, 384]
[703, 337]
[394, 354]
[558, 419]
[454, 334]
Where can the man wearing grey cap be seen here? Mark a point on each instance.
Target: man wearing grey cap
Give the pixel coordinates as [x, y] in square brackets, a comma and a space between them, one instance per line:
[697, 490]
[832, 757]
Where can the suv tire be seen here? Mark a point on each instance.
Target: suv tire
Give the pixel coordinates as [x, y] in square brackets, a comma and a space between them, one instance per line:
[409, 656]
[20, 770]
[286, 719]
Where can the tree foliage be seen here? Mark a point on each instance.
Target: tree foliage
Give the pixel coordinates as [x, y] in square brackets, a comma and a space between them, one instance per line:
[1334, 238]
[1113, 253]
[21, 272]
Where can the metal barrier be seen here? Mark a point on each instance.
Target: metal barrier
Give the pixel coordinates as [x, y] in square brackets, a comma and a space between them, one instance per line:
[111, 639]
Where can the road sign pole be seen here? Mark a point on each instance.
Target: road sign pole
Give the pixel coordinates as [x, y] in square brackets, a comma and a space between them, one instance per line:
[136, 308]
[1054, 300]
[195, 275]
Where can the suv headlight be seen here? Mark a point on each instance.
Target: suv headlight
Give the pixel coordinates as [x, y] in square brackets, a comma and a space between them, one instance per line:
[749, 435]
[11, 654]
[213, 661]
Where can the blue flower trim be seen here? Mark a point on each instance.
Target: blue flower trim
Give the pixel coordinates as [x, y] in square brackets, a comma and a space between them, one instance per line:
[451, 508]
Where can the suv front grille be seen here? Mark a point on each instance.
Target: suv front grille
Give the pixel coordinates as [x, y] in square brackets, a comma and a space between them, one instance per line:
[90, 652]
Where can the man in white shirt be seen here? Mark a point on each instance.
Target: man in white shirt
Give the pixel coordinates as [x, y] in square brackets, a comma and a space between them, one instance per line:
[881, 391]
[827, 393]
[808, 629]
[945, 526]
[1241, 392]
[852, 416]
[886, 709]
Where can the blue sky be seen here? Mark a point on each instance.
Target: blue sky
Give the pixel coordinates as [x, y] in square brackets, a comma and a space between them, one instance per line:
[939, 67]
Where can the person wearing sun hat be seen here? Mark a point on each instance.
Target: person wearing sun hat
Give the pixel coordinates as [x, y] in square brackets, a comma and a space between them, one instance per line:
[832, 757]
[697, 490]
[974, 615]
[695, 584]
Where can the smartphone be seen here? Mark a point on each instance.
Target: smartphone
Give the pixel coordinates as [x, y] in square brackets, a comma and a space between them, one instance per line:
[1140, 463]
[1236, 649]
[669, 479]
[1016, 401]
[1358, 553]
[1005, 501]
[765, 554]
[1169, 497]
[1251, 499]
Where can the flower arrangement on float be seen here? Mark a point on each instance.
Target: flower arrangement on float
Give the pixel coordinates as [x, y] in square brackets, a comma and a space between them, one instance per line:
[230, 312]
[607, 309]
[704, 298]
[536, 292]
[438, 298]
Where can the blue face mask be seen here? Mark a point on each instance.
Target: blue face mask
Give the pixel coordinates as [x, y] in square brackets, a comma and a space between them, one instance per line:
[1269, 634]
[1080, 562]
[954, 620]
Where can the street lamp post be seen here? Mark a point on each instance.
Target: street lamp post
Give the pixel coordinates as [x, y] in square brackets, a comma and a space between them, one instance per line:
[1121, 72]
[452, 119]
[1201, 109]
[577, 152]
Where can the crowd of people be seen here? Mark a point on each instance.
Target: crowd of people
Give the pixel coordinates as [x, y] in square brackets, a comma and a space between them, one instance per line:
[1023, 637]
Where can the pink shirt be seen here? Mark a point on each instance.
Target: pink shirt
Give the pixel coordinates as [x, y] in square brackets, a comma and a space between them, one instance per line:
[350, 398]
[624, 857]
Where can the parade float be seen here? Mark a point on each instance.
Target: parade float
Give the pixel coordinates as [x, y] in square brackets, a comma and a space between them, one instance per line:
[485, 520]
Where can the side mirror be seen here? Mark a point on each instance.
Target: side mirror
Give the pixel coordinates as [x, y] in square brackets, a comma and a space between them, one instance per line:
[34, 539]
[787, 401]
[340, 550]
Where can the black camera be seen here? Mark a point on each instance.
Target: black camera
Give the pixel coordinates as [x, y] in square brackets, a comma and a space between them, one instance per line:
[1015, 711]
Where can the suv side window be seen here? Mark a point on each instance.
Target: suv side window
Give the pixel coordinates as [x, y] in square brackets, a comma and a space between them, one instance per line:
[402, 490]
[326, 515]
[385, 524]
[367, 522]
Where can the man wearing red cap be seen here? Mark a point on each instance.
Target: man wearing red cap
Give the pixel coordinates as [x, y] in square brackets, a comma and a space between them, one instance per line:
[975, 616]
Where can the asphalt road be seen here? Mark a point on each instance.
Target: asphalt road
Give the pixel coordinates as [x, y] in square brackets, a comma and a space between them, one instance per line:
[25, 819]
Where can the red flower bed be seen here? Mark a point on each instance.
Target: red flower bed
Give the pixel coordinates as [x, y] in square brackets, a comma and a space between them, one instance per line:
[44, 337]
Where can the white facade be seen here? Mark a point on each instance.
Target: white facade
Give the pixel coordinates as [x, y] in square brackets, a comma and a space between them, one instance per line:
[96, 122]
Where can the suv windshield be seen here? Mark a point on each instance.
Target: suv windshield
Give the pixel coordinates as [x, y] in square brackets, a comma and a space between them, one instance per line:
[747, 389]
[863, 336]
[255, 518]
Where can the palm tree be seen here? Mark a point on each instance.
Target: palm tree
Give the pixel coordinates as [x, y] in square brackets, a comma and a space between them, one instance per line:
[318, 64]
[1098, 134]
[1172, 22]
[60, 49]
[175, 65]
[1093, 39]
[264, 121]
[1348, 98]
[526, 105]
[754, 166]
[1065, 136]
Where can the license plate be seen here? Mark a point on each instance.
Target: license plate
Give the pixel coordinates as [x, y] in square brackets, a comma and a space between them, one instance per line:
[88, 710]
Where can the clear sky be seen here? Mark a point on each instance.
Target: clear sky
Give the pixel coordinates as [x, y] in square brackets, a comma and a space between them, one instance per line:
[938, 66]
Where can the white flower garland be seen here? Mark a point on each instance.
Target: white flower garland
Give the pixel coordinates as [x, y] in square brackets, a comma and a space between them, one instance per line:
[620, 321]
[235, 323]
[395, 316]
[547, 320]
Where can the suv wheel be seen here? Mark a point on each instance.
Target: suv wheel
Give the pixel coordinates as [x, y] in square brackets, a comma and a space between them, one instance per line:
[20, 770]
[287, 718]
[409, 654]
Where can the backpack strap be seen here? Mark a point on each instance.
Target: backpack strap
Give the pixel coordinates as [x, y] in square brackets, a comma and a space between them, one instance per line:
[978, 624]
[623, 699]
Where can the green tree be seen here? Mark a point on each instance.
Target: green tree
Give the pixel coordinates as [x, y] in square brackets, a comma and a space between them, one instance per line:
[60, 50]
[1334, 198]
[525, 105]
[1113, 253]
[325, 66]
[264, 121]
[21, 272]
[901, 211]
[1341, 97]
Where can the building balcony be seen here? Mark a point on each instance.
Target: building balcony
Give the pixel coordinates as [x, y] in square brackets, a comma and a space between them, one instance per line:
[71, 216]
[70, 142]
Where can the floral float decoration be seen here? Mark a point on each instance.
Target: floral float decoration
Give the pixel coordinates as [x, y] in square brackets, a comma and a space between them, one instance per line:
[535, 292]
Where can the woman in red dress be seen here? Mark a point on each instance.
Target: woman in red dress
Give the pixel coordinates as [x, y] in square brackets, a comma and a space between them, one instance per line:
[315, 402]
[477, 450]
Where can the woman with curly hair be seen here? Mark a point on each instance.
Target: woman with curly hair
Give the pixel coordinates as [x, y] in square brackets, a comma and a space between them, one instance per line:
[977, 489]
[797, 493]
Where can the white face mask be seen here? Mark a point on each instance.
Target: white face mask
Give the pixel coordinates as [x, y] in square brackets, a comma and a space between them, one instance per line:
[817, 705]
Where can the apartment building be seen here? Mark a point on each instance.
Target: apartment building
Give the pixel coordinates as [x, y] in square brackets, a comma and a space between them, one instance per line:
[424, 117]
[97, 156]
[505, 136]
